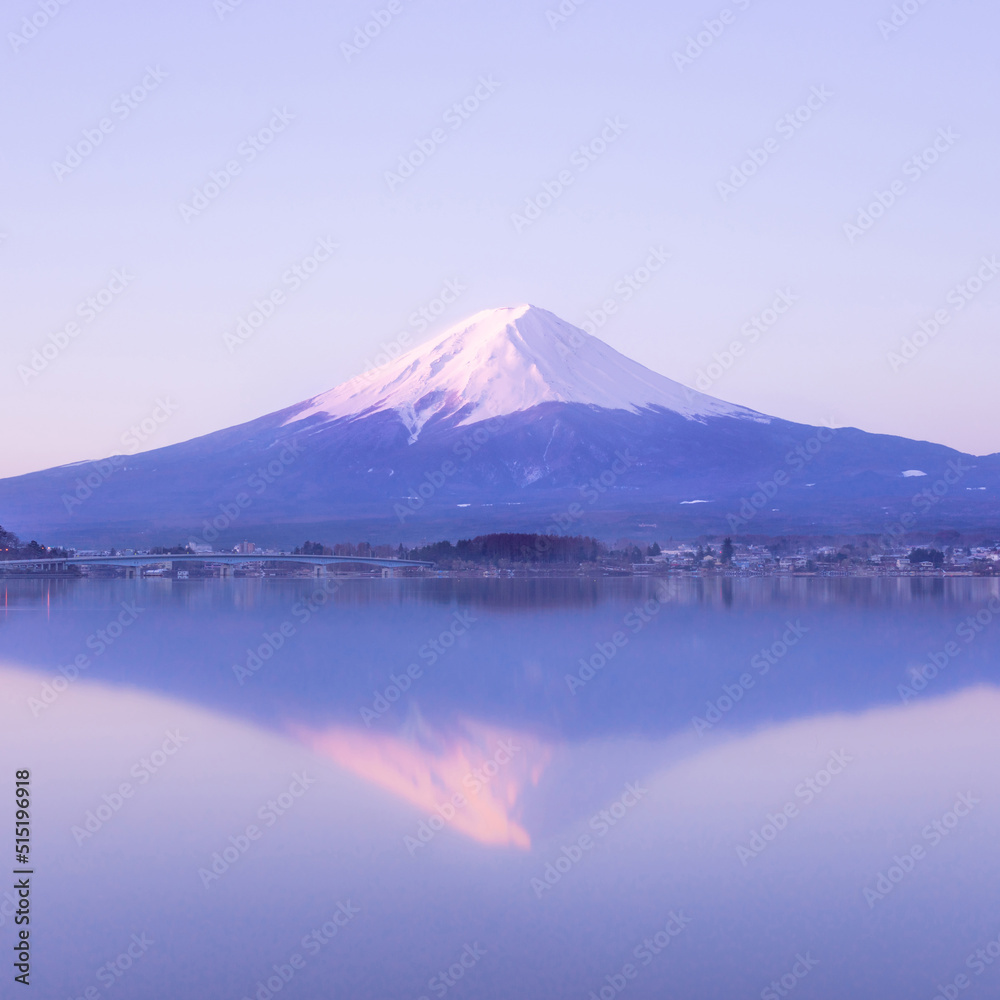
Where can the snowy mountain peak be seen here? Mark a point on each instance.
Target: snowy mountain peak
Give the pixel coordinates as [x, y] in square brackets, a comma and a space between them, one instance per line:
[504, 360]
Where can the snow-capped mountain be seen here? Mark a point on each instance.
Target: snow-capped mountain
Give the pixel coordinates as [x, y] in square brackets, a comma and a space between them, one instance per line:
[503, 361]
[511, 420]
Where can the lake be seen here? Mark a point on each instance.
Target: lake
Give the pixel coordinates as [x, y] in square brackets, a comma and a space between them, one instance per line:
[507, 788]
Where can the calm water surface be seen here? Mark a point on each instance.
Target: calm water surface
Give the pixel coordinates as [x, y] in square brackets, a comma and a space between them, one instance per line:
[507, 789]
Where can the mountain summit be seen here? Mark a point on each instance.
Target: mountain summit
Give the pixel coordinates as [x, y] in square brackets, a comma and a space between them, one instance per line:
[503, 361]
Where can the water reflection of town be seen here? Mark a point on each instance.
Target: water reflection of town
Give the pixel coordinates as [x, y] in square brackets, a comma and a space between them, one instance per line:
[508, 594]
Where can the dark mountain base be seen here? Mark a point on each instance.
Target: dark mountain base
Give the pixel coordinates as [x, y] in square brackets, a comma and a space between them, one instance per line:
[557, 468]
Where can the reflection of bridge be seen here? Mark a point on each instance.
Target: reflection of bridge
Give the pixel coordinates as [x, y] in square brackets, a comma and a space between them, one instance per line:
[224, 560]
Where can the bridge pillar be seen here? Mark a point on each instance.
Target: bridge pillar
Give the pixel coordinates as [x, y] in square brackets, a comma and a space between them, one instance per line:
[387, 572]
[225, 570]
[319, 570]
[129, 572]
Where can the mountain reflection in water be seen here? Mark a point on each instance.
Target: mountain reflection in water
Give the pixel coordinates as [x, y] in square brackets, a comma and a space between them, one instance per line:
[473, 779]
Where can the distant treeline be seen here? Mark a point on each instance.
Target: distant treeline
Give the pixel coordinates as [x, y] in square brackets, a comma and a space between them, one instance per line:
[514, 548]
[11, 547]
[504, 547]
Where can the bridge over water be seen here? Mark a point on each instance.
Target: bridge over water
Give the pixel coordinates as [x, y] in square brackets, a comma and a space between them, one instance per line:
[224, 560]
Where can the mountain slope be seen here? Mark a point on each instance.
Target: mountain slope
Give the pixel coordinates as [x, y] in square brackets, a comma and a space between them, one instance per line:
[512, 420]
